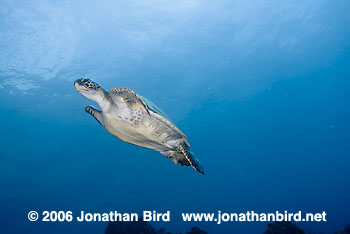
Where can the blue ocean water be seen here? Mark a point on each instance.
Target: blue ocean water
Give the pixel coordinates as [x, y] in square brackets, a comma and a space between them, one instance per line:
[260, 88]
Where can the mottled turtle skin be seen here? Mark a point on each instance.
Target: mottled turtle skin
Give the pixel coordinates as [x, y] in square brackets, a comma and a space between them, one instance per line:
[136, 120]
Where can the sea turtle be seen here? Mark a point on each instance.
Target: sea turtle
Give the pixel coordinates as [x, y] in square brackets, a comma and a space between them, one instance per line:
[136, 120]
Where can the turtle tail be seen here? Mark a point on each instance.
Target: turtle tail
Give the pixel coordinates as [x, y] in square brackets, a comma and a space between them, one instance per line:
[192, 160]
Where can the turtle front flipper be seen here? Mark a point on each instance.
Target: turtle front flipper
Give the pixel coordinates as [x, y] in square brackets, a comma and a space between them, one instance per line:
[184, 157]
[95, 113]
[127, 96]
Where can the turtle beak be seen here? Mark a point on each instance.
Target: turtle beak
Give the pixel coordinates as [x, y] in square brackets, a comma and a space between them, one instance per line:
[79, 84]
[76, 85]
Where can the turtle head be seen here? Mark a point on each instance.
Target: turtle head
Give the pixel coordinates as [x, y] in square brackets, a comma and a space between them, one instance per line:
[88, 89]
[92, 91]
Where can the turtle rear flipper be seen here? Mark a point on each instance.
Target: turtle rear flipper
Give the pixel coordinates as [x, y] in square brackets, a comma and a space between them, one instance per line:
[191, 159]
[184, 157]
